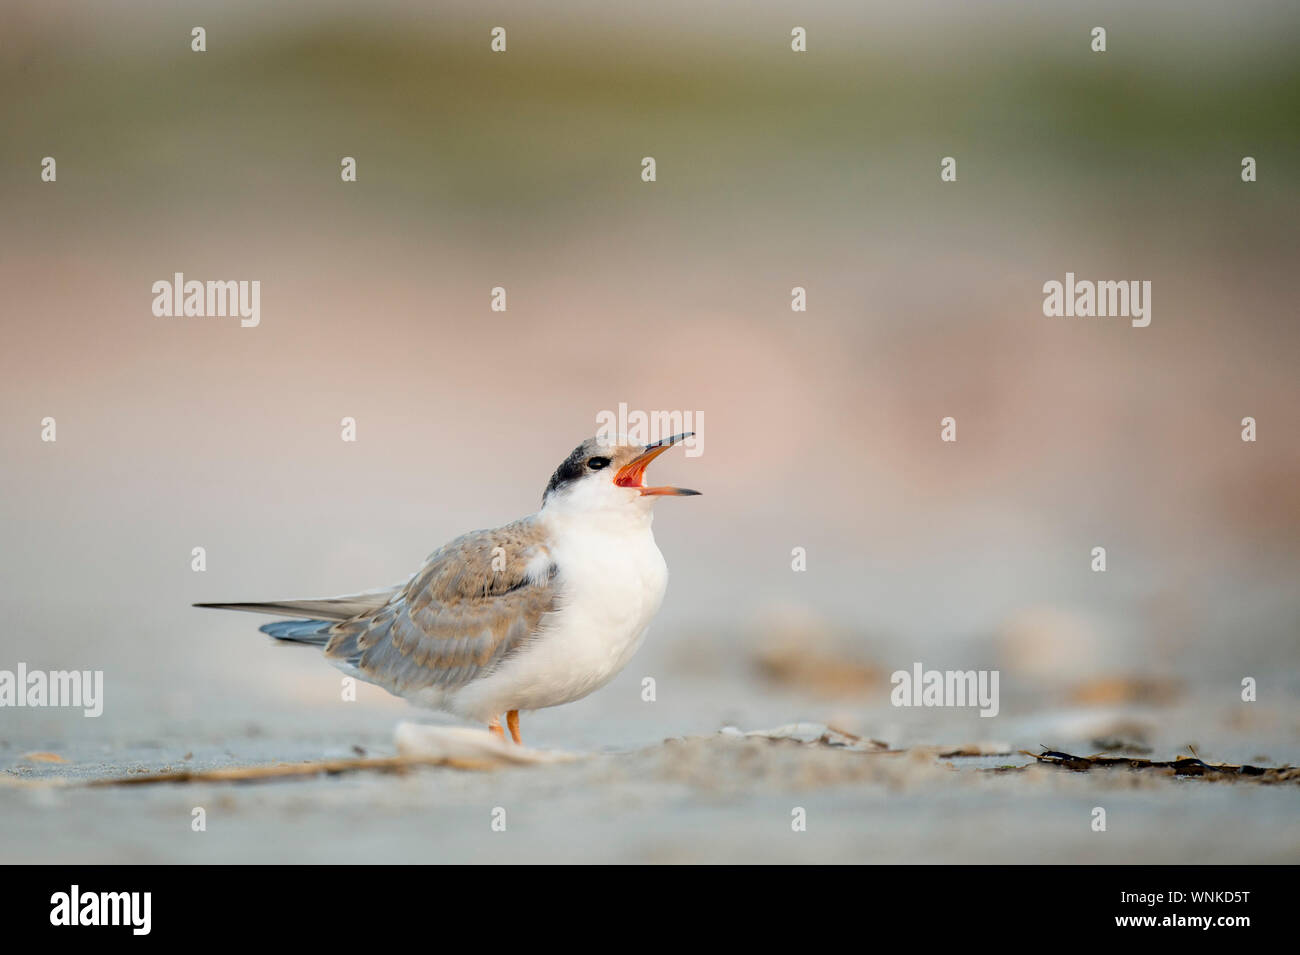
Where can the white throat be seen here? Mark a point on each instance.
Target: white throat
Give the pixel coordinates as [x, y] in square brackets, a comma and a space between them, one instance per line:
[598, 506]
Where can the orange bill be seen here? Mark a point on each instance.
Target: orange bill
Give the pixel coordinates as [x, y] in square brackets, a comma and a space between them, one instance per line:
[632, 474]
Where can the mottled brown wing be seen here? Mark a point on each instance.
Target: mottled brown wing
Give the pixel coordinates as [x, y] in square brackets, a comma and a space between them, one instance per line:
[474, 602]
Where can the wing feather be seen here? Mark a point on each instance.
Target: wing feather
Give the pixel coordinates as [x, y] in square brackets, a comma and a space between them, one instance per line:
[473, 603]
[326, 608]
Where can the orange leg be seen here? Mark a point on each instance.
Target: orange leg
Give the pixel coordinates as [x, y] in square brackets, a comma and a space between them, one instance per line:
[512, 720]
[495, 729]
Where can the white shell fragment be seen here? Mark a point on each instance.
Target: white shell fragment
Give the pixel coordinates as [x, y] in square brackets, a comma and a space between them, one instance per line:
[470, 744]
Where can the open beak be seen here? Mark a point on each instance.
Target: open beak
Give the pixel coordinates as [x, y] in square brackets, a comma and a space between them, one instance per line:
[632, 474]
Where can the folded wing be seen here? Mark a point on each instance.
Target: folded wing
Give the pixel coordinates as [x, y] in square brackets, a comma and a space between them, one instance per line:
[475, 601]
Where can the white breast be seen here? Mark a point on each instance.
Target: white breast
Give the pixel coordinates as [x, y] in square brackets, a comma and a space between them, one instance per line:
[612, 581]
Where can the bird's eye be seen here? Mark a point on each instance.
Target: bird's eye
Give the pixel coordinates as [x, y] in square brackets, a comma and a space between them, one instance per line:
[597, 463]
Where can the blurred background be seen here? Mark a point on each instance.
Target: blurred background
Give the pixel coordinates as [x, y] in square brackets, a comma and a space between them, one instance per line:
[820, 429]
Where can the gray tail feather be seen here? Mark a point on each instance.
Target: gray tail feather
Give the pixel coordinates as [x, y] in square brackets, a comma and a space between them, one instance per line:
[313, 632]
[327, 608]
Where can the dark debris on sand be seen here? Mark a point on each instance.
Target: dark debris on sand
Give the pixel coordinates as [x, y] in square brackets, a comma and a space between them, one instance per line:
[1191, 766]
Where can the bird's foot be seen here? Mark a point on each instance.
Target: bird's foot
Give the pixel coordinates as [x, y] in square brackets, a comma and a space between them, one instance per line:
[512, 720]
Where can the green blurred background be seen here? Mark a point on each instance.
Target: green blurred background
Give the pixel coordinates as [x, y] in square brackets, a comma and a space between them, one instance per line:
[821, 428]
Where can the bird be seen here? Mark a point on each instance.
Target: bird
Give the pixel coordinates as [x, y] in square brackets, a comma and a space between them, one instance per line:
[537, 613]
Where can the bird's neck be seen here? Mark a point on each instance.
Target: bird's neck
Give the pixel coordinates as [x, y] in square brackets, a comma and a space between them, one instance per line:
[632, 520]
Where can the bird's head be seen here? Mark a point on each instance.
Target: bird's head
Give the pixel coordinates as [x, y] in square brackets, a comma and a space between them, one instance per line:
[609, 473]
